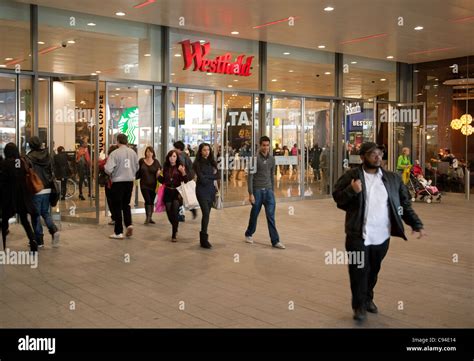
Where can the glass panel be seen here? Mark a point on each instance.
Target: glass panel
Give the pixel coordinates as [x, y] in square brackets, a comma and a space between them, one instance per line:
[359, 128]
[130, 108]
[73, 125]
[158, 125]
[286, 137]
[173, 120]
[237, 56]
[15, 49]
[317, 140]
[26, 112]
[196, 118]
[369, 78]
[44, 98]
[78, 43]
[299, 70]
[7, 111]
[238, 145]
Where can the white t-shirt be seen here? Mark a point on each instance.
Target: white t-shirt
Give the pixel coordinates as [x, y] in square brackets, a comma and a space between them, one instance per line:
[376, 228]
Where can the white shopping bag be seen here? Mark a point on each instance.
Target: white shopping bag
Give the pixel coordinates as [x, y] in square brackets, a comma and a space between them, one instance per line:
[188, 192]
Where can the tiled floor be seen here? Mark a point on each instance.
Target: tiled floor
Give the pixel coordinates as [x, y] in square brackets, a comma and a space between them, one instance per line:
[86, 282]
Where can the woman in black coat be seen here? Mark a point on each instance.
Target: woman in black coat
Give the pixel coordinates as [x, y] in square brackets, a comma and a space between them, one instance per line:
[205, 168]
[62, 171]
[15, 196]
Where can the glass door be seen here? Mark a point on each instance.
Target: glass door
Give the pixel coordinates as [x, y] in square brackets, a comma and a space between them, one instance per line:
[8, 111]
[238, 145]
[286, 139]
[72, 120]
[317, 147]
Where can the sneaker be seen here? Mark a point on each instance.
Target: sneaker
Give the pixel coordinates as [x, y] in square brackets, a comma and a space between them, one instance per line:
[279, 245]
[116, 236]
[129, 232]
[249, 239]
[56, 239]
[40, 245]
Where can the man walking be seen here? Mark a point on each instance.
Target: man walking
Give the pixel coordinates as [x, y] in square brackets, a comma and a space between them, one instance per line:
[260, 188]
[376, 201]
[188, 165]
[122, 166]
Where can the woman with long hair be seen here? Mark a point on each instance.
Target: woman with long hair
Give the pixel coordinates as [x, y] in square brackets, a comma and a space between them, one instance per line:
[172, 176]
[205, 167]
[15, 197]
[148, 171]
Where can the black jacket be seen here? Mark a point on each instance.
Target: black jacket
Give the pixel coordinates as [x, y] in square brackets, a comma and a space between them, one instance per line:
[61, 166]
[205, 188]
[354, 203]
[42, 165]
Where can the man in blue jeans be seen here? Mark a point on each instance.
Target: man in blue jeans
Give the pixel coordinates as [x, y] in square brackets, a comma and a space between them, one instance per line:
[260, 187]
[41, 162]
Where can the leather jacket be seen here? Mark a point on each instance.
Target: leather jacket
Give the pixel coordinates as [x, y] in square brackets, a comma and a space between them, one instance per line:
[353, 203]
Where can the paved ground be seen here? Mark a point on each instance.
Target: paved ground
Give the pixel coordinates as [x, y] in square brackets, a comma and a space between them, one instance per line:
[88, 283]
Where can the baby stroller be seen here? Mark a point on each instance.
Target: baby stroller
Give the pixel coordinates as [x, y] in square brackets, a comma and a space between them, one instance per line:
[421, 189]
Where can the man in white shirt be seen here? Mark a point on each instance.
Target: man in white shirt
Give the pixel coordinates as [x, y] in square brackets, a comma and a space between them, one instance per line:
[122, 166]
[376, 201]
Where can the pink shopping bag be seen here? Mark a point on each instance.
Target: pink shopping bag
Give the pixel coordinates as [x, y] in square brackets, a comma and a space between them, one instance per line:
[160, 204]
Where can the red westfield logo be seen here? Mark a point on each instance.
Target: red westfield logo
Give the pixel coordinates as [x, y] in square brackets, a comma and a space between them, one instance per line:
[221, 64]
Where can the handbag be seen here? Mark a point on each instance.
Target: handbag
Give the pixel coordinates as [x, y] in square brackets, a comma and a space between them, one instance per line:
[188, 192]
[54, 195]
[160, 204]
[33, 181]
[217, 203]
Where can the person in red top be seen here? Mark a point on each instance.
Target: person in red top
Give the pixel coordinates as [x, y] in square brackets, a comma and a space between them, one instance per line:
[174, 173]
[83, 161]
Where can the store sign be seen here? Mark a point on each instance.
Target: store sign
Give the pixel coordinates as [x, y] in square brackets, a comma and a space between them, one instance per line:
[101, 123]
[196, 53]
[361, 123]
[353, 108]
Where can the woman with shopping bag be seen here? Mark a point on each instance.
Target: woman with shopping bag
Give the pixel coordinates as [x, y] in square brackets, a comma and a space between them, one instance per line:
[205, 168]
[171, 178]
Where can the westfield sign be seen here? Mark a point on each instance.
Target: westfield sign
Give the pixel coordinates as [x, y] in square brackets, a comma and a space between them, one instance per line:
[196, 53]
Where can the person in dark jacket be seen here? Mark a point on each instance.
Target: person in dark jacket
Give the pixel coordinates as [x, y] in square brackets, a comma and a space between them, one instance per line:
[15, 198]
[376, 201]
[62, 171]
[187, 163]
[41, 162]
[315, 161]
[173, 174]
[148, 171]
[205, 168]
[83, 161]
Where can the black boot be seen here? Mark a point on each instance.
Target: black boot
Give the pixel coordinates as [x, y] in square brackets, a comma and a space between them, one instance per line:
[150, 213]
[147, 211]
[33, 246]
[204, 240]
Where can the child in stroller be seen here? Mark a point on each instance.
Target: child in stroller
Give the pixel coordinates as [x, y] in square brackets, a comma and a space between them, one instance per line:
[420, 188]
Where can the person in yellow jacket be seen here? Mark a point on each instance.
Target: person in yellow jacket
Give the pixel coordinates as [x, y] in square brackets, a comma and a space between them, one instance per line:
[404, 164]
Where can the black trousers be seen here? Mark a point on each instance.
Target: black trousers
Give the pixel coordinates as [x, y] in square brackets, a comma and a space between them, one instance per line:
[364, 279]
[26, 226]
[63, 187]
[84, 175]
[206, 206]
[121, 194]
[148, 196]
[172, 204]
[108, 196]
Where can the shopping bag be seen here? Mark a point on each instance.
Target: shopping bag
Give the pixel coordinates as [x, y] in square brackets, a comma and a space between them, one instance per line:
[217, 203]
[188, 193]
[159, 203]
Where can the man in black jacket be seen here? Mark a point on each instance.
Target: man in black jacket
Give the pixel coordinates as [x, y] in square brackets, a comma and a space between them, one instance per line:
[376, 201]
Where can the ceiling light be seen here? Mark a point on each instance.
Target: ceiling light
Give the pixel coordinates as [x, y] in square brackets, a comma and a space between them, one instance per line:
[117, 88]
[390, 57]
[235, 33]
[419, 28]
[321, 46]
[117, 94]
[41, 42]
[383, 79]
[3, 66]
[283, 90]
[327, 73]
[353, 62]
[202, 41]
[93, 74]
[328, 8]
[235, 80]
[229, 86]
[274, 80]
[286, 53]
[172, 74]
[208, 73]
[416, 71]
[71, 42]
[8, 59]
[98, 71]
[91, 24]
[177, 55]
[147, 54]
[290, 71]
[120, 13]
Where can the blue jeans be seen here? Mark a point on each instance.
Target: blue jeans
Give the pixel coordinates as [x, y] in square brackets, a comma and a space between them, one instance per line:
[264, 197]
[41, 203]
